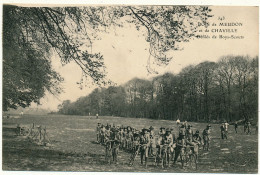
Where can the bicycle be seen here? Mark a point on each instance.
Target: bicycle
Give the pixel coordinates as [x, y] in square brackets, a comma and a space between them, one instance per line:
[165, 155]
[143, 153]
[136, 150]
[188, 156]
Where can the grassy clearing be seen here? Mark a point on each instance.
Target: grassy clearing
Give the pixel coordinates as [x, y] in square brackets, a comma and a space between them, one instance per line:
[73, 147]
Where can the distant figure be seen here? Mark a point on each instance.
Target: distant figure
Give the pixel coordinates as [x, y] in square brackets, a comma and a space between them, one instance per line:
[89, 114]
[178, 122]
[223, 131]
[226, 126]
[245, 127]
[206, 137]
[96, 116]
[236, 126]
[248, 131]
[21, 113]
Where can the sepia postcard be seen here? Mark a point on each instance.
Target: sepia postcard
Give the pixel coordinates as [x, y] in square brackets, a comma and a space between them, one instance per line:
[130, 88]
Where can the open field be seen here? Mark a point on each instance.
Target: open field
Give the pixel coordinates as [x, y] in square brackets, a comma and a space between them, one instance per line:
[73, 147]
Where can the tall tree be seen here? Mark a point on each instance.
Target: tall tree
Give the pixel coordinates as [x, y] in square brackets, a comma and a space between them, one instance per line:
[32, 34]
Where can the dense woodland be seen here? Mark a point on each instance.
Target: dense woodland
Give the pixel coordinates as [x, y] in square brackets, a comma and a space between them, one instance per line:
[223, 90]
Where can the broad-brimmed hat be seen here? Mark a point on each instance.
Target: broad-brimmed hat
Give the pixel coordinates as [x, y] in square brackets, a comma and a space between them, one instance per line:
[162, 128]
[151, 128]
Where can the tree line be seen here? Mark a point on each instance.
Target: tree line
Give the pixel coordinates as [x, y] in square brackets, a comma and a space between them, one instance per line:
[223, 90]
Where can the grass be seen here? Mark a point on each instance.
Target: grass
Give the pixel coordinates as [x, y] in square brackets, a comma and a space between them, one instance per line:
[73, 147]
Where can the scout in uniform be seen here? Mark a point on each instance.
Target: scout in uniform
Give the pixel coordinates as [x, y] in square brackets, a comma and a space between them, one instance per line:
[180, 144]
[98, 133]
[152, 141]
[169, 141]
[145, 142]
[222, 130]
[236, 126]
[206, 138]
[189, 132]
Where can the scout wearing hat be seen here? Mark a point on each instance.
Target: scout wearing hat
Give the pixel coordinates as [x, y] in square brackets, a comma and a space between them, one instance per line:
[196, 137]
[162, 131]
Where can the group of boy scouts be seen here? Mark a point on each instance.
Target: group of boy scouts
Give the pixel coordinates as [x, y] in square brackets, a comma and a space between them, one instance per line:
[147, 143]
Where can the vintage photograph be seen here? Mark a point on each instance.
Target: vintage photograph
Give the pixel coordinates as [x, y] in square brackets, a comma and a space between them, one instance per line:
[130, 88]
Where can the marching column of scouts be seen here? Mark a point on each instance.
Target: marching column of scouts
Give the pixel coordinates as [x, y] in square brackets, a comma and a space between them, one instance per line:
[147, 144]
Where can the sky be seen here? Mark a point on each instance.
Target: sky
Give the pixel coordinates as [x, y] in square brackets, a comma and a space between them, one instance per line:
[126, 53]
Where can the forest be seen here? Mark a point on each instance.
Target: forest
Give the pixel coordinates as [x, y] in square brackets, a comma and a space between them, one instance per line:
[226, 90]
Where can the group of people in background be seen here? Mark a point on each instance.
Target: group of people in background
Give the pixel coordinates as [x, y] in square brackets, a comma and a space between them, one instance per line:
[247, 128]
[148, 143]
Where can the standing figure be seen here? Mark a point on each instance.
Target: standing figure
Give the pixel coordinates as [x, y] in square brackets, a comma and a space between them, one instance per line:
[96, 116]
[159, 144]
[248, 128]
[115, 144]
[236, 126]
[245, 126]
[121, 137]
[197, 142]
[152, 141]
[98, 133]
[169, 142]
[136, 147]
[145, 142]
[223, 131]
[206, 138]
[102, 133]
[180, 144]
[189, 132]
[226, 126]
